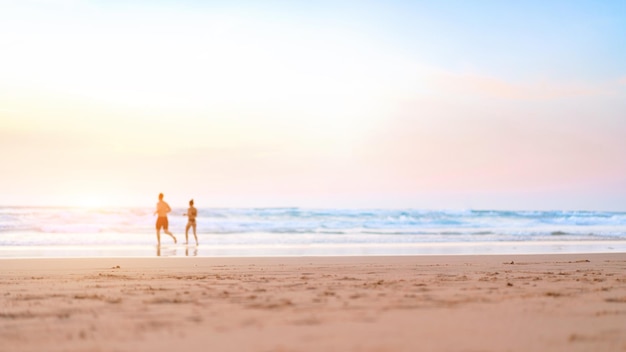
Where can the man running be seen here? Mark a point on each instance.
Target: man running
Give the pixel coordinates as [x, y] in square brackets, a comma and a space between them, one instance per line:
[162, 208]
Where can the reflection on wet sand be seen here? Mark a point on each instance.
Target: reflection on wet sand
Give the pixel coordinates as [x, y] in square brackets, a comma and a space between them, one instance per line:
[194, 253]
[166, 251]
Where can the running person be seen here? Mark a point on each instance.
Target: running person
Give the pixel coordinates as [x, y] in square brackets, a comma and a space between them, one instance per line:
[191, 222]
[162, 208]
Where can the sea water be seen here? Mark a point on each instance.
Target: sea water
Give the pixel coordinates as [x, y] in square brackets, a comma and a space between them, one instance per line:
[62, 231]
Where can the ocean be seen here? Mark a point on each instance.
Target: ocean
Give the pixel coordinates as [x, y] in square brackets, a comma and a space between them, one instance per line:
[85, 232]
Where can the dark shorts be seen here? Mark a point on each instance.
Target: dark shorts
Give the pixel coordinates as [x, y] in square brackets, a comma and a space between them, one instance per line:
[161, 223]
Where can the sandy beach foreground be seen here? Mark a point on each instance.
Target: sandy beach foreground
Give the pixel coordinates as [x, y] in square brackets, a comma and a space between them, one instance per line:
[406, 303]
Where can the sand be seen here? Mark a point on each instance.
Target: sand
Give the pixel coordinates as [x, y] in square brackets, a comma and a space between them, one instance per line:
[404, 303]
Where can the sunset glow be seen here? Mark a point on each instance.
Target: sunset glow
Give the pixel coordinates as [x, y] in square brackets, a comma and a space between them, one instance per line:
[397, 104]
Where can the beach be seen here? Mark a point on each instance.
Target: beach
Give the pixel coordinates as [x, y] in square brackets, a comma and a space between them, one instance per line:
[273, 176]
[540, 302]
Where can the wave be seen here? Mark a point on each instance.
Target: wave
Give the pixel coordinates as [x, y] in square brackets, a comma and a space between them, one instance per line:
[466, 224]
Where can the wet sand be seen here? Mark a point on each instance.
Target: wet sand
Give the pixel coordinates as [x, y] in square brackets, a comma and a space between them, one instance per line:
[561, 302]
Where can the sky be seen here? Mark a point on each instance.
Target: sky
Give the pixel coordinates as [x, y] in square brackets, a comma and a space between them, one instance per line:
[362, 104]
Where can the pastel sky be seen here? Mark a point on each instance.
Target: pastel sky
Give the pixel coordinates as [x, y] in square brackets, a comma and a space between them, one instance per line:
[424, 104]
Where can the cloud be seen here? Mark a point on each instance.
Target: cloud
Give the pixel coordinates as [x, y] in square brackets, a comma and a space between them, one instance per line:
[494, 87]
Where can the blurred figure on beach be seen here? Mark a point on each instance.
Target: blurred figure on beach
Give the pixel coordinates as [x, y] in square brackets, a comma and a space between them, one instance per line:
[162, 208]
[191, 222]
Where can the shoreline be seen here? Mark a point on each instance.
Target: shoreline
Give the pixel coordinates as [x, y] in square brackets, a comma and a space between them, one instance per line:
[315, 249]
[556, 302]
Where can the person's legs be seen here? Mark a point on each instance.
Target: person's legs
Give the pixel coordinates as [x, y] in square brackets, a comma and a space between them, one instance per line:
[165, 226]
[171, 235]
[194, 233]
[187, 232]
[158, 231]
